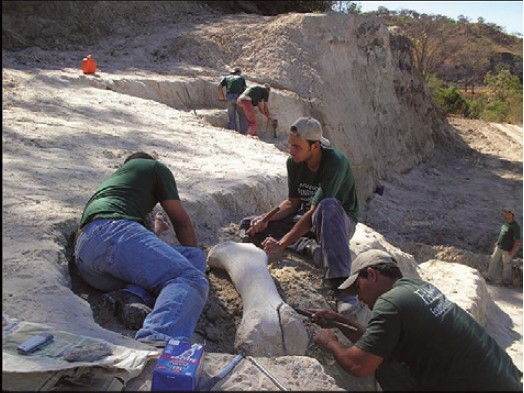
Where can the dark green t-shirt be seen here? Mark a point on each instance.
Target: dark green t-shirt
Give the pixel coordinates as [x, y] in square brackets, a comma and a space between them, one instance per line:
[334, 179]
[443, 347]
[257, 94]
[234, 84]
[131, 192]
[509, 232]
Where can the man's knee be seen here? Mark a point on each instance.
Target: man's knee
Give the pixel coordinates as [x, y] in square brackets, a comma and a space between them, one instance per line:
[329, 207]
[330, 204]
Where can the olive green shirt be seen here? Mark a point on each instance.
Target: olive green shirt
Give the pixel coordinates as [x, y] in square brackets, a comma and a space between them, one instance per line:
[333, 179]
[131, 192]
[509, 232]
[235, 84]
[257, 94]
[442, 346]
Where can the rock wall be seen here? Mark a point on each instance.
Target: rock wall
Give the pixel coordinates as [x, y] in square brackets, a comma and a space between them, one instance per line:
[360, 83]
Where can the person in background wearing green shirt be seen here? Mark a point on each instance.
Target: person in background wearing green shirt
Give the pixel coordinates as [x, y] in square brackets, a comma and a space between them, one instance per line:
[507, 245]
[320, 215]
[416, 339]
[235, 85]
[254, 96]
[117, 252]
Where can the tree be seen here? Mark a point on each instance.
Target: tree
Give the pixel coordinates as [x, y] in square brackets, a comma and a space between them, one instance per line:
[347, 7]
[431, 43]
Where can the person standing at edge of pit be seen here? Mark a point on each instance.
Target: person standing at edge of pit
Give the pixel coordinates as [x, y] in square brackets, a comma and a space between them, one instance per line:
[235, 85]
[321, 207]
[114, 250]
[251, 97]
[507, 245]
[417, 339]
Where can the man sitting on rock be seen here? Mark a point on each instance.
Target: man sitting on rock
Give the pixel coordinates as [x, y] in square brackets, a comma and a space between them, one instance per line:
[319, 217]
[416, 339]
[116, 251]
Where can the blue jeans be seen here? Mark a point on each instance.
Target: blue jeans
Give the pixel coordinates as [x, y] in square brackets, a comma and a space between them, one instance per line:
[332, 228]
[232, 110]
[111, 254]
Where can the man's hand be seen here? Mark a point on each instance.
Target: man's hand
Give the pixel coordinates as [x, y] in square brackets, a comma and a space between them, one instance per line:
[258, 224]
[324, 337]
[322, 316]
[272, 246]
[221, 99]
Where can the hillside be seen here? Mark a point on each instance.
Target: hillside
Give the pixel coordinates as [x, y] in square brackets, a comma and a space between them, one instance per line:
[460, 52]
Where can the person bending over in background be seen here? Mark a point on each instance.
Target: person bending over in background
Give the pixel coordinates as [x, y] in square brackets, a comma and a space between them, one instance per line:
[319, 217]
[416, 339]
[235, 85]
[251, 97]
[115, 251]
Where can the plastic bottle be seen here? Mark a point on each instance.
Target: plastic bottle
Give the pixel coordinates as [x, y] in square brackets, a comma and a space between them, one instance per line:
[88, 65]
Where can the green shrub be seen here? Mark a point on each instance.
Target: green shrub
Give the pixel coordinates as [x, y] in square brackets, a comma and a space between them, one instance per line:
[451, 101]
[495, 111]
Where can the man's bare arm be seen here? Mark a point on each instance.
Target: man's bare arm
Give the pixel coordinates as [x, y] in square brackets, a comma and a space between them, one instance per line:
[352, 359]
[182, 224]
[299, 229]
[221, 96]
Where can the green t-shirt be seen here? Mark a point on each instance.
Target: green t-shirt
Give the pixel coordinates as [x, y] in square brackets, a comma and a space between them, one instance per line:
[131, 192]
[442, 346]
[257, 94]
[234, 84]
[334, 179]
[509, 232]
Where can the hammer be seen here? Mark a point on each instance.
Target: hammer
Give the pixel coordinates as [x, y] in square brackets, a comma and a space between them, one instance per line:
[266, 218]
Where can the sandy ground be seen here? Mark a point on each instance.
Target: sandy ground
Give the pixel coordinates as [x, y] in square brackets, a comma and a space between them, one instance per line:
[62, 136]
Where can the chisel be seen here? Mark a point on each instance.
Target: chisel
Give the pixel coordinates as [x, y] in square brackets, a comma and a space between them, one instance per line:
[221, 374]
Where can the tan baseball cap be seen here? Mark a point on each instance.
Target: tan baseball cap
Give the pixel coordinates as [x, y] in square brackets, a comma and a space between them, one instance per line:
[364, 260]
[309, 129]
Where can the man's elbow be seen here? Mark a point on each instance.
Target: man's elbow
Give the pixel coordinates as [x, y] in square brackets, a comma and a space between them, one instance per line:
[359, 370]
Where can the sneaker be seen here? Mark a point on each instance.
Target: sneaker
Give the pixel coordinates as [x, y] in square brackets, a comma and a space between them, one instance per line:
[314, 251]
[309, 248]
[346, 304]
[129, 308]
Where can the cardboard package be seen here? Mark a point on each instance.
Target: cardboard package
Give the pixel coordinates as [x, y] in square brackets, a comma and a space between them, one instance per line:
[178, 367]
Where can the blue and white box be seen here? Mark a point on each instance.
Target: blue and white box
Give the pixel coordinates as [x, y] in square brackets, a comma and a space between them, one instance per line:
[178, 367]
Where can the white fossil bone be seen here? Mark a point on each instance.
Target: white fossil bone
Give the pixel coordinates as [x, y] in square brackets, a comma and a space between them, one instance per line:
[269, 326]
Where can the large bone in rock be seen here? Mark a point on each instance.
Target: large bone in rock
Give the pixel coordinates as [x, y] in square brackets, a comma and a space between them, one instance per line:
[269, 327]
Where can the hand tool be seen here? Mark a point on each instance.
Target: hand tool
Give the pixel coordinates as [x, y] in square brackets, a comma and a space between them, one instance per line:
[336, 324]
[190, 101]
[274, 124]
[266, 372]
[222, 373]
[266, 218]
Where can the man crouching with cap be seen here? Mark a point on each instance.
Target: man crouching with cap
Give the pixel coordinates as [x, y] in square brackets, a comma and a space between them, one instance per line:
[416, 338]
[319, 216]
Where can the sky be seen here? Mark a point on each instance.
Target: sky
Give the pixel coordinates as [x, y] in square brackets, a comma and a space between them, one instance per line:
[506, 14]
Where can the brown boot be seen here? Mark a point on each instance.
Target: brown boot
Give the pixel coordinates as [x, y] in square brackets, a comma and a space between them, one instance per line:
[129, 308]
